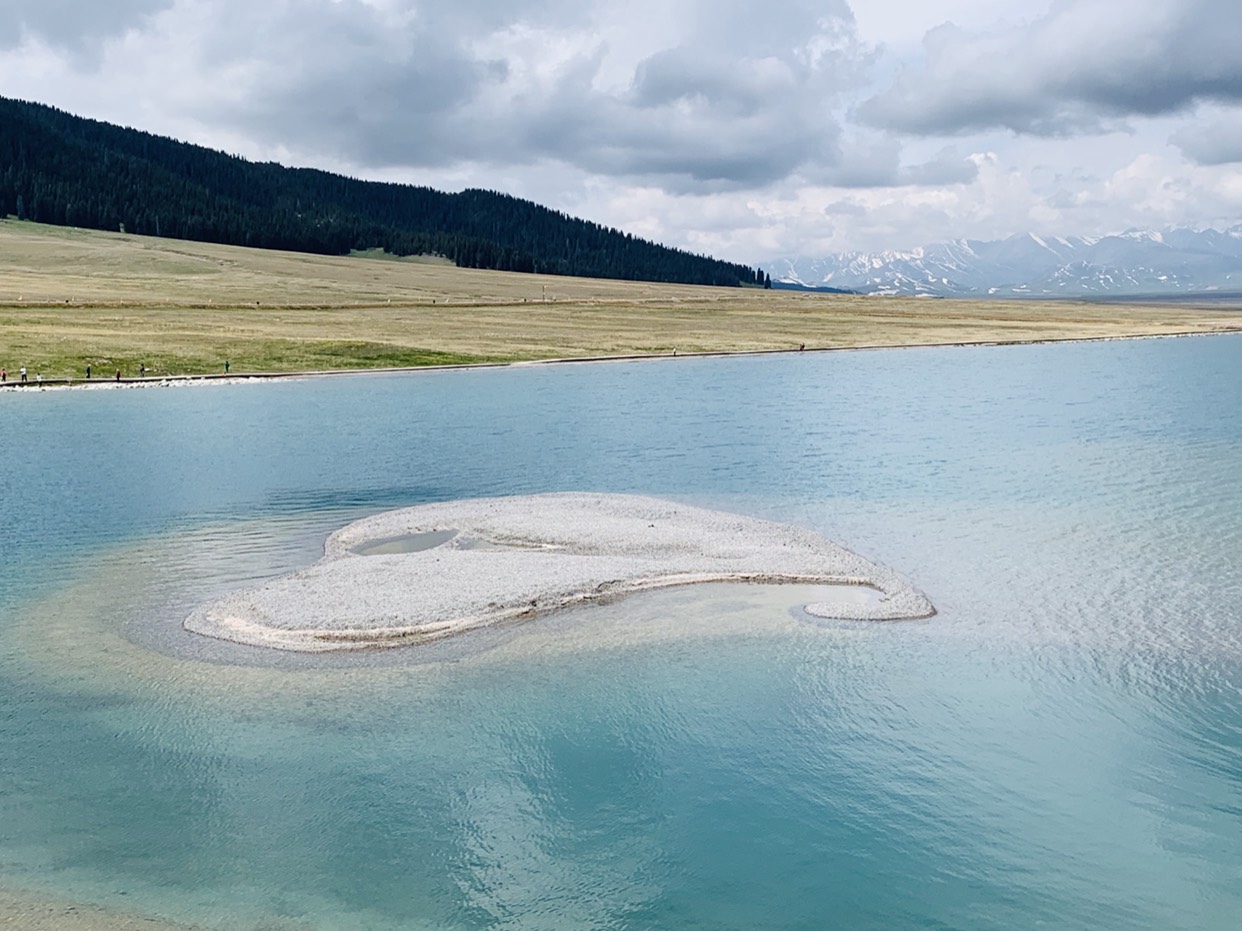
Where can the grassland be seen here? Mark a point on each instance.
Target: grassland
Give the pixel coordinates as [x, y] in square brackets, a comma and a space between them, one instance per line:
[72, 297]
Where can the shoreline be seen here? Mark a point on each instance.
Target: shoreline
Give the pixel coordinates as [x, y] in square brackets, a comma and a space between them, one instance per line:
[221, 378]
[38, 911]
[480, 563]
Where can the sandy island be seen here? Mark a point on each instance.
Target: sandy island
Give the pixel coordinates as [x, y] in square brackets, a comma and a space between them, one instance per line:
[424, 573]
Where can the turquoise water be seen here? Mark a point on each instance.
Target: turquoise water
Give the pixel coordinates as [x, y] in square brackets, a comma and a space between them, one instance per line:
[1061, 745]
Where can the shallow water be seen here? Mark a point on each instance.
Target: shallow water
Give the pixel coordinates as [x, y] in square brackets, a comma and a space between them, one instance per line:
[406, 543]
[1061, 744]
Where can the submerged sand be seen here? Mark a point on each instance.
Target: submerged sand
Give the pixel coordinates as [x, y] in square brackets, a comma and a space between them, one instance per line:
[424, 573]
[29, 911]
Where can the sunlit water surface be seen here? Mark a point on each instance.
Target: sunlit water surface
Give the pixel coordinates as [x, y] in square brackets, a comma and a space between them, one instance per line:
[1061, 744]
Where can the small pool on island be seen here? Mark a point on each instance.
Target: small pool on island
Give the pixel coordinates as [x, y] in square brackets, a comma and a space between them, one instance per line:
[406, 543]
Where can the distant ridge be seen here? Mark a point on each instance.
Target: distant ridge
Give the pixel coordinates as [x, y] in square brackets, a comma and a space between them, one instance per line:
[1149, 263]
[798, 286]
[69, 171]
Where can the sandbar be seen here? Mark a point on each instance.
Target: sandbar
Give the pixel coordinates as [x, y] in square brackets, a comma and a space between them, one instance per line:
[423, 573]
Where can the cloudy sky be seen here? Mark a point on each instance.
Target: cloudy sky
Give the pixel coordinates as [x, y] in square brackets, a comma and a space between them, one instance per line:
[746, 130]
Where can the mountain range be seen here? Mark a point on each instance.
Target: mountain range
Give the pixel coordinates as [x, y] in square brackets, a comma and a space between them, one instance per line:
[1168, 262]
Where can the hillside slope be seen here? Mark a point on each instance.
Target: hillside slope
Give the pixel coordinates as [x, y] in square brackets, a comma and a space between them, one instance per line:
[68, 171]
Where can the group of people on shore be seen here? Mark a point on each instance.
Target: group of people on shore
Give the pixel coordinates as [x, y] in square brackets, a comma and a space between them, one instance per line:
[4, 377]
[24, 379]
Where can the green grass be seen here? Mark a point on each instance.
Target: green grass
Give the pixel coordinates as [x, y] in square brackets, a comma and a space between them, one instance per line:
[389, 257]
[256, 356]
[69, 297]
[243, 355]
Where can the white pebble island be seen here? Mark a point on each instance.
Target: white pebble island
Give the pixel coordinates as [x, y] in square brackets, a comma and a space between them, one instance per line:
[424, 573]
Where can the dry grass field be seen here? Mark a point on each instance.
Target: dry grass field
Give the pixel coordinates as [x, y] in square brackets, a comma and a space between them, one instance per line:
[71, 297]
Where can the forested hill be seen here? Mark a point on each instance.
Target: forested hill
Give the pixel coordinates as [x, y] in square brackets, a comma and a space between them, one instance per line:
[62, 169]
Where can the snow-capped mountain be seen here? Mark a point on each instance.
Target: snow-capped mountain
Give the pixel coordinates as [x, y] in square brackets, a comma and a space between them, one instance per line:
[1137, 262]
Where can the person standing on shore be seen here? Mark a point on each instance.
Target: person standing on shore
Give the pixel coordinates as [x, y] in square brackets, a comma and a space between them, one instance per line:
[88, 370]
[4, 376]
[226, 366]
[118, 374]
[23, 371]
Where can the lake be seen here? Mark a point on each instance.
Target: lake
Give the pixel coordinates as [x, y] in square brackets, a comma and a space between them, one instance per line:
[1060, 745]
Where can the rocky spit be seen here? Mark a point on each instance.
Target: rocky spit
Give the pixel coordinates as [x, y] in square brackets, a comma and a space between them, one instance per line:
[418, 574]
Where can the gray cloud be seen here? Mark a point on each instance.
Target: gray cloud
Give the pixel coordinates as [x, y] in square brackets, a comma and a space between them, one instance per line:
[687, 75]
[1085, 66]
[876, 161]
[1213, 143]
[72, 23]
[692, 96]
[721, 99]
[946, 167]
